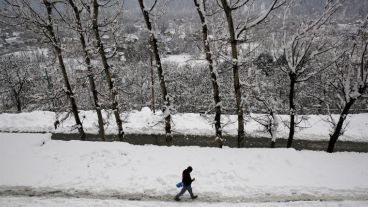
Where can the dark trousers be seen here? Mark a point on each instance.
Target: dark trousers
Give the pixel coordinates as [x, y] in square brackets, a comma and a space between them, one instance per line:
[185, 188]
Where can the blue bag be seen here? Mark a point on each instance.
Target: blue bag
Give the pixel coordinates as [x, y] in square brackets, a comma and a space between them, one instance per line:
[179, 185]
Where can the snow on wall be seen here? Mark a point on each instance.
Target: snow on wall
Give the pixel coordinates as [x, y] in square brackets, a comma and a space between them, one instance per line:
[146, 122]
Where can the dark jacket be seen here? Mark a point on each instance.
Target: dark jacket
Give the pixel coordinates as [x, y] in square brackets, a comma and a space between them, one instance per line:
[187, 180]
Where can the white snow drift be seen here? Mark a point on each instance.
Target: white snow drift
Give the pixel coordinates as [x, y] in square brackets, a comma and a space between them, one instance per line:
[146, 122]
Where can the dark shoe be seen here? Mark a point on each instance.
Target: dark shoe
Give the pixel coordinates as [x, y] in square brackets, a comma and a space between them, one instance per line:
[177, 199]
[194, 197]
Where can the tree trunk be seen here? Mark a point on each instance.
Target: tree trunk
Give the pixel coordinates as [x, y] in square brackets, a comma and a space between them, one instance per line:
[237, 87]
[51, 91]
[19, 105]
[17, 101]
[154, 50]
[106, 66]
[273, 128]
[152, 84]
[58, 52]
[273, 143]
[338, 128]
[213, 74]
[90, 70]
[292, 77]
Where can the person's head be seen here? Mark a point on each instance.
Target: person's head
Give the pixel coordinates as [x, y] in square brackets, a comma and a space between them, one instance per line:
[190, 169]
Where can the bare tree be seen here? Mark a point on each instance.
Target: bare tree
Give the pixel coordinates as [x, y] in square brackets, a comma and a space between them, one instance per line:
[300, 50]
[44, 21]
[49, 92]
[58, 50]
[155, 52]
[235, 32]
[81, 30]
[15, 78]
[101, 50]
[351, 84]
[264, 95]
[201, 9]
[269, 121]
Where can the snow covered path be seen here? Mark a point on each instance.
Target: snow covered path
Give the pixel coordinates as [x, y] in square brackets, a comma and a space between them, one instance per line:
[35, 165]
[81, 202]
[50, 193]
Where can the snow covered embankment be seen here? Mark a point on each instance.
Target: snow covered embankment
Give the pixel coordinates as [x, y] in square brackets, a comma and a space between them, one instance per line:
[146, 122]
[37, 165]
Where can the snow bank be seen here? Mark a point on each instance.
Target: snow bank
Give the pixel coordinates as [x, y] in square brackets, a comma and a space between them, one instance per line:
[105, 168]
[36, 121]
[147, 122]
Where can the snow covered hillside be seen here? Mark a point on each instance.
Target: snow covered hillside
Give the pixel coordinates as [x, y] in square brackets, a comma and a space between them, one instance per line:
[146, 122]
[33, 164]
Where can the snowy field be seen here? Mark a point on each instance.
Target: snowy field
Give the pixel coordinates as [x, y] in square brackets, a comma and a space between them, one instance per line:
[35, 165]
[146, 122]
[61, 202]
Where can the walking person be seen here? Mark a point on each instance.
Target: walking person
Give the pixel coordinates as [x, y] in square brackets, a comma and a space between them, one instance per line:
[187, 181]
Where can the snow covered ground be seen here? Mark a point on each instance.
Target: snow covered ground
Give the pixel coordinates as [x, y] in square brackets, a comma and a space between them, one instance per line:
[35, 165]
[62, 202]
[146, 122]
